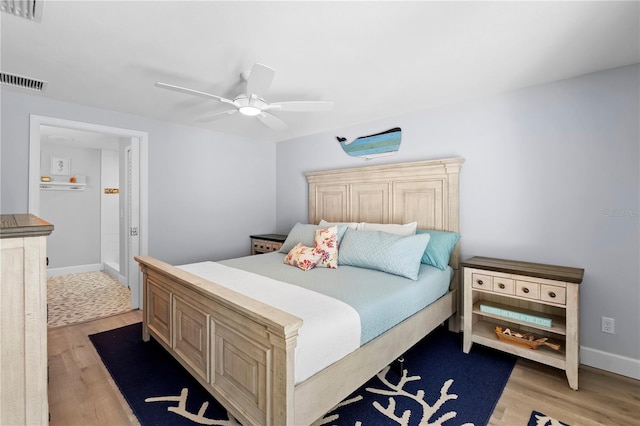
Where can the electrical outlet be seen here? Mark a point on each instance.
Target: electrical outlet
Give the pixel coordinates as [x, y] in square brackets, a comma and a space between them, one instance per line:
[608, 325]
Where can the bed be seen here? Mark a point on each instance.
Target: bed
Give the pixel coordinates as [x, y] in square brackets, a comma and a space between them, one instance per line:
[243, 350]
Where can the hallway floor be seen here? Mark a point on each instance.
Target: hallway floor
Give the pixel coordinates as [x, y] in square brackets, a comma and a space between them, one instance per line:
[84, 297]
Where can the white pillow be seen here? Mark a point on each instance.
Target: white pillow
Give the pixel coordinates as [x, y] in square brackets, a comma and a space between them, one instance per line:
[389, 228]
[325, 224]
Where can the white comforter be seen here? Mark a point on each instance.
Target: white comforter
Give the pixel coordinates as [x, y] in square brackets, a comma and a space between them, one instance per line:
[330, 329]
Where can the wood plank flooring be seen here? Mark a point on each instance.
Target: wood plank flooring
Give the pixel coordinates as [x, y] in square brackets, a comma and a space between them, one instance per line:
[602, 399]
[81, 392]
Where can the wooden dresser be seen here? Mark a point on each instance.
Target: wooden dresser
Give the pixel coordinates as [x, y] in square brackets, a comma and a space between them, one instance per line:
[23, 320]
[532, 298]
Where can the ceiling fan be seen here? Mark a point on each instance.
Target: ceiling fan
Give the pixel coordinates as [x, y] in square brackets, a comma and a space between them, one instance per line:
[252, 103]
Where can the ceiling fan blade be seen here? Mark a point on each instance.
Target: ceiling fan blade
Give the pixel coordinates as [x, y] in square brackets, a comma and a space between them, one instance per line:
[301, 106]
[217, 116]
[193, 92]
[271, 121]
[260, 79]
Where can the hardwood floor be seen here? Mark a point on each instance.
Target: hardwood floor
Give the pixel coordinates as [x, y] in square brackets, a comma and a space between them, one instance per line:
[602, 399]
[81, 392]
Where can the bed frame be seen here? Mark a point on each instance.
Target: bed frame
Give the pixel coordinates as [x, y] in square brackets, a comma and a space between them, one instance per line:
[242, 351]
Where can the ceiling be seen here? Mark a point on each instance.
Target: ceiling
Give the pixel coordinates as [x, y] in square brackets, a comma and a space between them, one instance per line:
[373, 59]
[75, 138]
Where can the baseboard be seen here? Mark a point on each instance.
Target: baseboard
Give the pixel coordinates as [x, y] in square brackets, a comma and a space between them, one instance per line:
[79, 269]
[113, 269]
[613, 363]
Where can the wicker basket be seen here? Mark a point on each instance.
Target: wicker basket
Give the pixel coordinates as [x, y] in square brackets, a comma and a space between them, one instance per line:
[532, 343]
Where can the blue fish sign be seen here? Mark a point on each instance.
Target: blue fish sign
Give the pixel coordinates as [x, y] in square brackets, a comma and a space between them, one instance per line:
[377, 145]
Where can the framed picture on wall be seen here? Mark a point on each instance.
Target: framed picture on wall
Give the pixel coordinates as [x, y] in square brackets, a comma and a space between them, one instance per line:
[60, 166]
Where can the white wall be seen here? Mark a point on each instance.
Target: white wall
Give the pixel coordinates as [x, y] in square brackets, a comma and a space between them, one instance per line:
[75, 214]
[110, 206]
[207, 191]
[548, 170]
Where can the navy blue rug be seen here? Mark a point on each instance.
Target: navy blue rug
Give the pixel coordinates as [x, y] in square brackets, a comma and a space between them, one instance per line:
[436, 384]
[152, 382]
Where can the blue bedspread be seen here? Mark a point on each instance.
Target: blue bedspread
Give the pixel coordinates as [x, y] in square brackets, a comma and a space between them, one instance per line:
[382, 300]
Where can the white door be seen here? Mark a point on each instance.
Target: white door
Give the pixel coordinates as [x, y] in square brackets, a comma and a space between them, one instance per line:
[133, 222]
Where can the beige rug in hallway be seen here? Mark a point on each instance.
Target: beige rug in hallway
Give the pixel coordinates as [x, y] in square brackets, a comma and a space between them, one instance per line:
[83, 297]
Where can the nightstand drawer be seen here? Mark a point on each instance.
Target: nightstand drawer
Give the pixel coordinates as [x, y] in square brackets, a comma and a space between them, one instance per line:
[503, 285]
[266, 246]
[266, 243]
[259, 245]
[273, 246]
[554, 294]
[528, 289]
[482, 281]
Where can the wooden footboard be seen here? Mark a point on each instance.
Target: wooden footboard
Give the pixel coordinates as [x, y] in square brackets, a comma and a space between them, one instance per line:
[240, 350]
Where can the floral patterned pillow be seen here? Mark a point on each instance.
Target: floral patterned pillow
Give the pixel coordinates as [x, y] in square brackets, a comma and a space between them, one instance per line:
[326, 246]
[302, 256]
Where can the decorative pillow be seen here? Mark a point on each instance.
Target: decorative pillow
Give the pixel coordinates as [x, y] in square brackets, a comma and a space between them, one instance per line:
[326, 247]
[395, 254]
[306, 234]
[302, 256]
[440, 247]
[342, 227]
[389, 228]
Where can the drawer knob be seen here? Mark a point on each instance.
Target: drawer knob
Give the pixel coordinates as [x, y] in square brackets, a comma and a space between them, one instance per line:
[525, 290]
[501, 286]
[480, 282]
[552, 294]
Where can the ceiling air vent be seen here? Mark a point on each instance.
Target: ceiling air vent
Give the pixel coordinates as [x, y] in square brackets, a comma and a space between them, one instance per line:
[22, 82]
[28, 9]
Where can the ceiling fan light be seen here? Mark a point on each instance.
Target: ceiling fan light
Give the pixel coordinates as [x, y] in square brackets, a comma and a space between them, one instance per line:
[250, 111]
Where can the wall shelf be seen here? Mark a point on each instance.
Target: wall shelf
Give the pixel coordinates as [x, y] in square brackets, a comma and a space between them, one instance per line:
[62, 186]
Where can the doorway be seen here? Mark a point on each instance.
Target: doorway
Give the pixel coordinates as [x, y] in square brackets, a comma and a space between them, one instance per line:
[131, 236]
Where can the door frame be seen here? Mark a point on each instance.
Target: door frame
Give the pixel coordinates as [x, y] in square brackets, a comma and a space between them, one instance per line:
[35, 121]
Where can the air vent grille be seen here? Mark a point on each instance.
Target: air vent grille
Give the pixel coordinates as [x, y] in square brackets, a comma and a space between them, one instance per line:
[22, 82]
[28, 9]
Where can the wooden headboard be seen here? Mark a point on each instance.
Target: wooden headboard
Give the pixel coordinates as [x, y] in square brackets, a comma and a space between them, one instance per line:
[426, 192]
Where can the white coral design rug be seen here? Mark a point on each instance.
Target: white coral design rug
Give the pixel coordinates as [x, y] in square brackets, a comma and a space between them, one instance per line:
[539, 419]
[438, 384]
[83, 297]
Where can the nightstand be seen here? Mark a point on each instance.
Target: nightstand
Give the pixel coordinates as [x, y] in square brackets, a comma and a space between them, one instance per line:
[531, 298]
[266, 243]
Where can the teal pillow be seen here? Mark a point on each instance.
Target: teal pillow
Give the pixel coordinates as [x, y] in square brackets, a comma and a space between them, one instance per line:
[440, 247]
[306, 234]
[394, 254]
